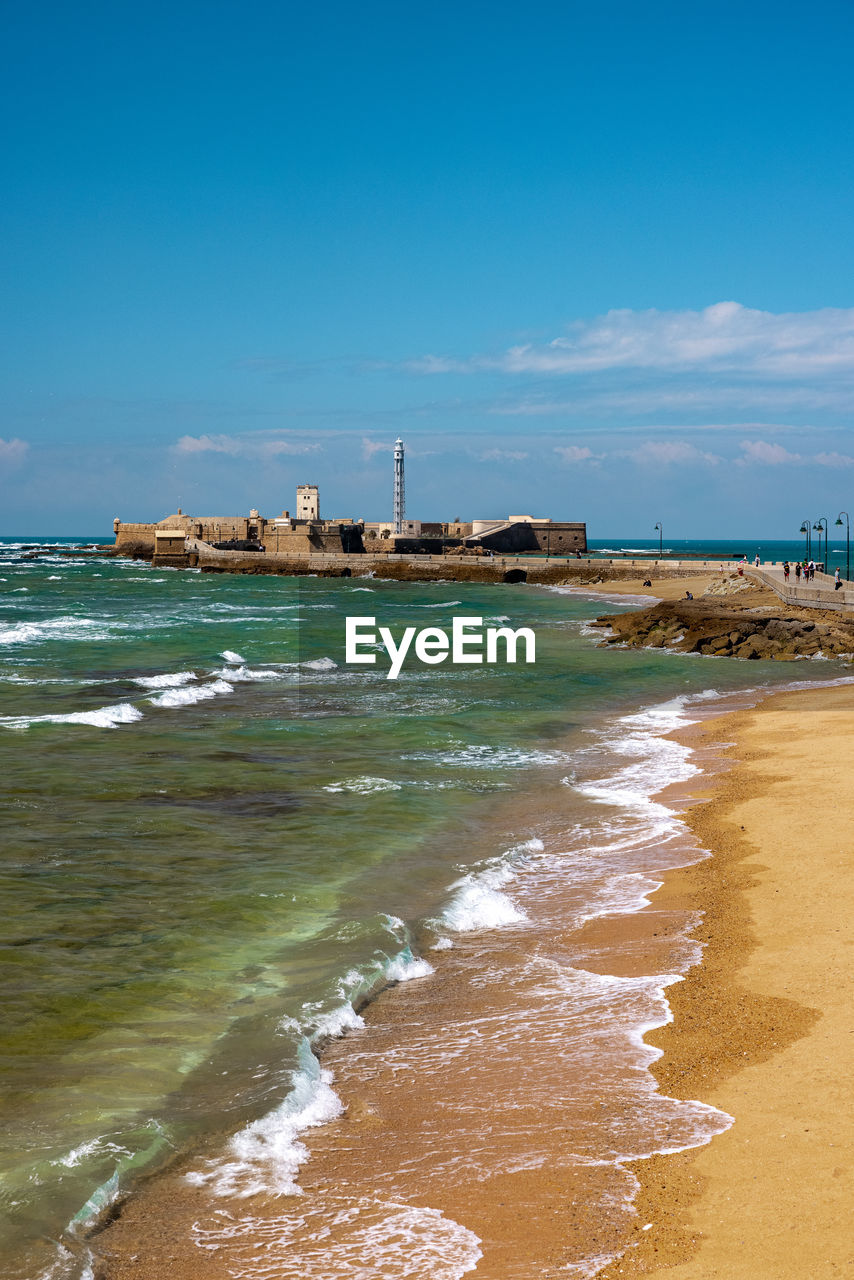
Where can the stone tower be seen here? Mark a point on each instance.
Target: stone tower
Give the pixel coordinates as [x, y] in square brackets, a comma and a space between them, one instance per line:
[308, 502]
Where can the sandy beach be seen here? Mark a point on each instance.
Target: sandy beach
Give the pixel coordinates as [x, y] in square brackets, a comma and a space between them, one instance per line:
[661, 588]
[763, 1029]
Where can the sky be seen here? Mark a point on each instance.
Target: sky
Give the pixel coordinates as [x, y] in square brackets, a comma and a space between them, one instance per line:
[591, 261]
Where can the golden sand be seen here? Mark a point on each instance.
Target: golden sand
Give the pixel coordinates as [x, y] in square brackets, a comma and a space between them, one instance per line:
[763, 1029]
[661, 589]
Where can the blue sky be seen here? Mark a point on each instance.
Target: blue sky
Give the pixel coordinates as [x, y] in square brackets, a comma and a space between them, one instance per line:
[590, 261]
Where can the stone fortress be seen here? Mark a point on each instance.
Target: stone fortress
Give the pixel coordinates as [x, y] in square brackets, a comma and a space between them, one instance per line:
[305, 533]
[182, 539]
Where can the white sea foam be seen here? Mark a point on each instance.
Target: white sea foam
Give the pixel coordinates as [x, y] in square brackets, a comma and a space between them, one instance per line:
[344, 1239]
[244, 674]
[63, 628]
[99, 1144]
[231, 656]
[169, 680]
[405, 967]
[463, 755]
[477, 898]
[657, 761]
[337, 1022]
[363, 786]
[186, 696]
[267, 1154]
[320, 664]
[102, 718]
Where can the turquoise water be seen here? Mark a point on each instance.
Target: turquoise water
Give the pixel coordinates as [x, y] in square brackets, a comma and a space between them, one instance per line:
[218, 838]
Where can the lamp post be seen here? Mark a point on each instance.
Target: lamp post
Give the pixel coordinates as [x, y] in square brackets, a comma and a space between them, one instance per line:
[823, 520]
[805, 529]
[660, 539]
[847, 543]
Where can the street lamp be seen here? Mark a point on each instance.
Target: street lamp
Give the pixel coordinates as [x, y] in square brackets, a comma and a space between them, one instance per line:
[805, 528]
[847, 543]
[660, 539]
[817, 525]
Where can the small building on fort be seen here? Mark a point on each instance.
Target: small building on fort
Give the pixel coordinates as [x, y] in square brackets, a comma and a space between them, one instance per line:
[167, 540]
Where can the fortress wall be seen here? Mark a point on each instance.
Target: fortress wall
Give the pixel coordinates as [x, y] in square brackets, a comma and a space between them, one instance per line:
[134, 537]
[427, 568]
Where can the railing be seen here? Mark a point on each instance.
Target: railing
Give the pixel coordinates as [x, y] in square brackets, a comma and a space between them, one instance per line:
[821, 593]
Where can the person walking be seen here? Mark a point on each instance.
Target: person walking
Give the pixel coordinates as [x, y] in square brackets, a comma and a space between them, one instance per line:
[785, 571]
[756, 561]
[798, 573]
[812, 570]
[837, 580]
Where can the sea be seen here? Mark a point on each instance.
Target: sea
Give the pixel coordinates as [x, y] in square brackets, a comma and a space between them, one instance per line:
[221, 845]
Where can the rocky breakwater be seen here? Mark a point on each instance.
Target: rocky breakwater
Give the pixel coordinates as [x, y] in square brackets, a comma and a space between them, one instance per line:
[741, 621]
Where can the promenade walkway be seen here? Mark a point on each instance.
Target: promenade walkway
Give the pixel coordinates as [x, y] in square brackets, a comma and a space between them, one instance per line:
[818, 594]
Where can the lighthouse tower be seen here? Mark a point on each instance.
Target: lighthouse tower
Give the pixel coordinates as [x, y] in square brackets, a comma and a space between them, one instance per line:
[399, 498]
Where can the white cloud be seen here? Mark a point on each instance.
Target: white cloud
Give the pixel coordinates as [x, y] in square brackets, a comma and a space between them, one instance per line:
[370, 447]
[13, 451]
[668, 452]
[243, 446]
[574, 453]
[833, 459]
[775, 455]
[772, 454]
[723, 337]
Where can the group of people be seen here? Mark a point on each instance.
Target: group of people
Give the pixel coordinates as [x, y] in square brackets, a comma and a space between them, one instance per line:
[803, 569]
[806, 569]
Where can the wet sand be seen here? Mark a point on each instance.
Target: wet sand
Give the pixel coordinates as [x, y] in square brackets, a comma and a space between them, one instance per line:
[763, 1028]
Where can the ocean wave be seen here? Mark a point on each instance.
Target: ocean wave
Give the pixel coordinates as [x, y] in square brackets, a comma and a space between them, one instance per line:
[320, 664]
[405, 967]
[468, 755]
[231, 656]
[477, 899]
[62, 628]
[102, 718]
[244, 674]
[267, 1154]
[440, 604]
[657, 762]
[363, 786]
[186, 696]
[170, 680]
